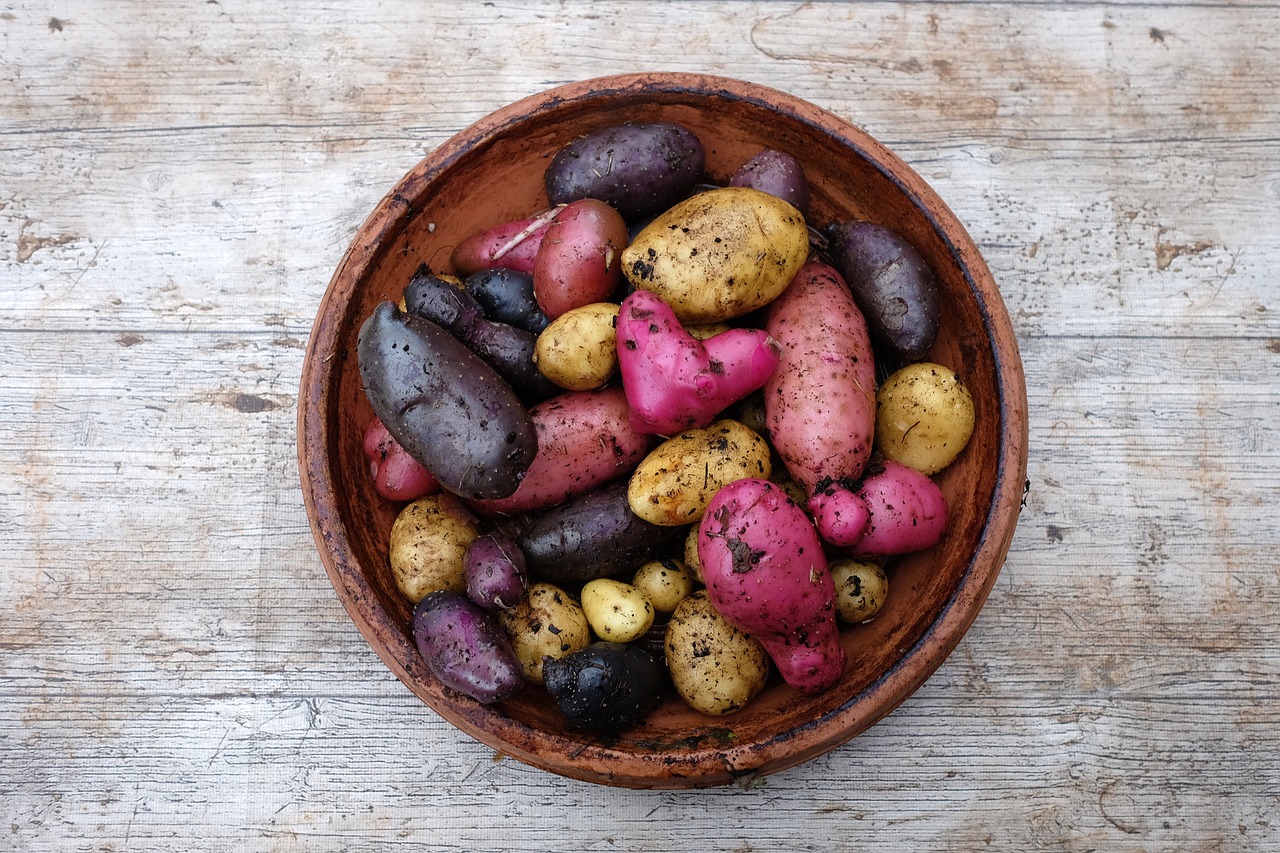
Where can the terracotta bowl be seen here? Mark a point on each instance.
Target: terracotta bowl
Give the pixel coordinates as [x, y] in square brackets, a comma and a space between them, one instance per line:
[491, 172]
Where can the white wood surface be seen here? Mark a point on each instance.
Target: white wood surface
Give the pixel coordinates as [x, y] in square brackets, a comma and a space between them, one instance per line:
[177, 183]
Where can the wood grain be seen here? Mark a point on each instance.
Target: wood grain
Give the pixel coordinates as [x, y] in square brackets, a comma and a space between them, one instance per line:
[177, 183]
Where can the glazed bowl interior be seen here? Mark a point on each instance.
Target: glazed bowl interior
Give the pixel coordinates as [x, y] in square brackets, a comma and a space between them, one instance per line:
[492, 172]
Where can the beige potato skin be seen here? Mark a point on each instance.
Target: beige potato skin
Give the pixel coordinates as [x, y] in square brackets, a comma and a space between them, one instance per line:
[665, 582]
[578, 350]
[861, 589]
[618, 612]
[924, 417]
[676, 481]
[720, 254]
[548, 622]
[427, 542]
[715, 667]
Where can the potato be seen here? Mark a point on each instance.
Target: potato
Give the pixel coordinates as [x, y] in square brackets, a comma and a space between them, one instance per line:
[606, 686]
[579, 350]
[579, 260]
[691, 554]
[924, 417]
[640, 169]
[676, 481]
[666, 583]
[449, 409]
[464, 647]
[720, 254]
[506, 295]
[861, 588]
[547, 623]
[892, 284]
[777, 173]
[715, 667]
[616, 611]
[428, 541]
[593, 536]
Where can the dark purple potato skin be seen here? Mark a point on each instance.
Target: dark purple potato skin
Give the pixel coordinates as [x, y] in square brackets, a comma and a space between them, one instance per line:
[450, 410]
[605, 686]
[496, 572]
[776, 173]
[640, 169]
[593, 536]
[506, 296]
[465, 648]
[507, 349]
[891, 283]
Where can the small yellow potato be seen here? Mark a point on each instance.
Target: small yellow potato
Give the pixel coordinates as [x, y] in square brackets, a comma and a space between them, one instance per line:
[579, 350]
[719, 254]
[428, 539]
[547, 622]
[702, 331]
[924, 417]
[715, 667]
[691, 561]
[861, 589]
[665, 582]
[616, 611]
[676, 481]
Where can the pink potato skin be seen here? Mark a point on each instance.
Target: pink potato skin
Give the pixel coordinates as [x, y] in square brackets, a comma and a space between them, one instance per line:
[676, 382]
[908, 512]
[766, 573]
[397, 476]
[585, 440]
[476, 252]
[820, 404]
[580, 259]
[841, 516]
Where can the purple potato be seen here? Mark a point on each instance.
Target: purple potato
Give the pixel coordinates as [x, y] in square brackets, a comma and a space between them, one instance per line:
[465, 648]
[496, 572]
[640, 169]
[605, 686]
[450, 410]
[891, 283]
[593, 536]
[776, 173]
[506, 296]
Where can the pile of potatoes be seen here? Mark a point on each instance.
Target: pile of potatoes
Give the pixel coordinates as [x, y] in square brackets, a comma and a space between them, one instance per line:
[638, 439]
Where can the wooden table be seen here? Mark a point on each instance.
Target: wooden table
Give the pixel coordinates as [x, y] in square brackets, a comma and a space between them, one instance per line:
[177, 184]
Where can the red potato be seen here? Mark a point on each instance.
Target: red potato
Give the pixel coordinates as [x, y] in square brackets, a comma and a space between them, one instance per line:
[585, 439]
[766, 573]
[510, 245]
[908, 512]
[841, 516]
[579, 259]
[674, 381]
[397, 476]
[820, 404]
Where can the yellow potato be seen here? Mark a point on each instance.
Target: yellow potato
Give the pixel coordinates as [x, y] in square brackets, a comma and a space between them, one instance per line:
[665, 582]
[702, 331]
[861, 589]
[547, 622]
[617, 611]
[579, 349]
[715, 667]
[676, 481]
[720, 254]
[428, 539]
[924, 417]
[691, 561]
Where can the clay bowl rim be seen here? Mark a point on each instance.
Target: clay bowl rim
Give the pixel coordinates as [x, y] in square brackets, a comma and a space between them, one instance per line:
[706, 765]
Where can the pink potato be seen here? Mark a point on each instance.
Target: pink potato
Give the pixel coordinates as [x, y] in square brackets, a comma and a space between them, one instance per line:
[841, 515]
[397, 476]
[766, 573]
[820, 404]
[908, 512]
[510, 245]
[579, 260]
[676, 382]
[585, 440]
